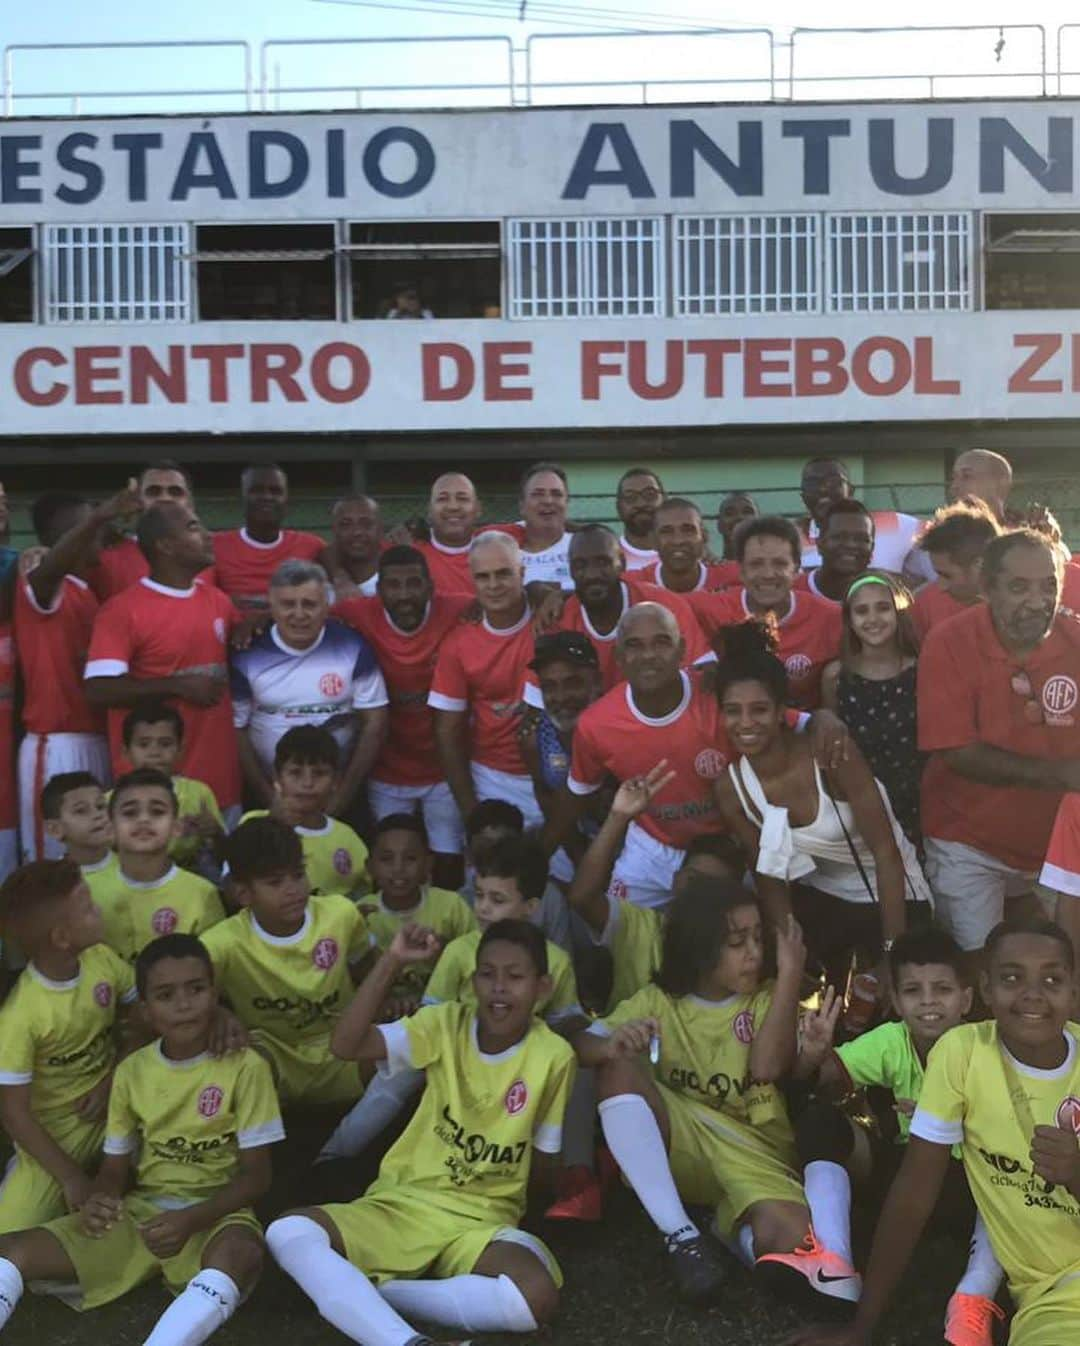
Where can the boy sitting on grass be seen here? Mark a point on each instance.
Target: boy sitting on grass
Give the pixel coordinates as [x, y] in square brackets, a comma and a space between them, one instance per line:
[58, 1040]
[287, 963]
[197, 1132]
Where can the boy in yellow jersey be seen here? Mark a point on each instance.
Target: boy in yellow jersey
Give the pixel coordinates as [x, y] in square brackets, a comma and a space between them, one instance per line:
[287, 963]
[58, 1041]
[195, 1131]
[437, 1230]
[149, 895]
[1007, 1091]
[400, 867]
[307, 769]
[153, 736]
[76, 814]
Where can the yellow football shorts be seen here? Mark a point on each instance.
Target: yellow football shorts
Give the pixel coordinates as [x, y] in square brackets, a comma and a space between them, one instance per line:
[1051, 1319]
[308, 1075]
[30, 1196]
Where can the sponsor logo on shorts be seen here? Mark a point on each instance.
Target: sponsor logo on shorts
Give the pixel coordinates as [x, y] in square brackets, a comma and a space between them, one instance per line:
[331, 684]
[516, 1097]
[325, 953]
[1059, 697]
[342, 861]
[710, 763]
[743, 1027]
[164, 921]
[210, 1101]
[798, 665]
[103, 994]
[1068, 1114]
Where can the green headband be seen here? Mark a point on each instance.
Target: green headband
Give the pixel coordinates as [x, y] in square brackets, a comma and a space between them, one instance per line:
[867, 579]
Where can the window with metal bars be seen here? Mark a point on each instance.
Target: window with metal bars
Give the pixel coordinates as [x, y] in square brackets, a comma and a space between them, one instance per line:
[898, 262]
[746, 264]
[116, 273]
[598, 268]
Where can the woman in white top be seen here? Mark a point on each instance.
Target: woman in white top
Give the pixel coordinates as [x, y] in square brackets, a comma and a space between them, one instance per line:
[823, 843]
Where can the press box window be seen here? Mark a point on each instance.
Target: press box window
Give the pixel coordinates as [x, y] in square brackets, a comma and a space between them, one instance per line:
[746, 264]
[265, 271]
[116, 273]
[1032, 261]
[890, 263]
[453, 267]
[16, 275]
[603, 268]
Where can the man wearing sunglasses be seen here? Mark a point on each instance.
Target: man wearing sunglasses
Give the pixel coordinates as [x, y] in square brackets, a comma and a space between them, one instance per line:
[999, 712]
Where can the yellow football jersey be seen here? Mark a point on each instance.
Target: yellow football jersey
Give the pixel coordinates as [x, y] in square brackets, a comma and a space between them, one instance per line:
[101, 878]
[441, 910]
[633, 935]
[135, 912]
[192, 798]
[292, 987]
[469, 1146]
[705, 1059]
[335, 859]
[452, 980]
[975, 1094]
[187, 1121]
[57, 1037]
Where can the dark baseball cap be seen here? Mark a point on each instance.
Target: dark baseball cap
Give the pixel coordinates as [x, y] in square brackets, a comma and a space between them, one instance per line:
[569, 647]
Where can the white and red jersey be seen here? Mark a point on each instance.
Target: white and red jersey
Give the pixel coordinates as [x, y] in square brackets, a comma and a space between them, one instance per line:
[117, 568]
[52, 643]
[448, 567]
[1061, 869]
[806, 583]
[809, 635]
[638, 558]
[482, 670]
[894, 537]
[152, 631]
[712, 575]
[550, 566]
[407, 660]
[614, 738]
[242, 566]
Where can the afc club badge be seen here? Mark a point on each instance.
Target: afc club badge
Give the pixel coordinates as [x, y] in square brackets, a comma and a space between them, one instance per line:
[516, 1097]
[342, 861]
[103, 994]
[1068, 1114]
[1059, 698]
[325, 954]
[210, 1101]
[164, 921]
[331, 684]
[798, 666]
[743, 1027]
[710, 763]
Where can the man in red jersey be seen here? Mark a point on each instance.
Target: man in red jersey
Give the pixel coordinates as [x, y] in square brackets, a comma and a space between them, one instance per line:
[682, 543]
[167, 636]
[405, 625]
[453, 513]
[352, 558]
[955, 541]
[846, 545]
[55, 610]
[120, 563]
[245, 558]
[602, 593]
[637, 497]
[999, 712]
[479, 682]
[767, 549]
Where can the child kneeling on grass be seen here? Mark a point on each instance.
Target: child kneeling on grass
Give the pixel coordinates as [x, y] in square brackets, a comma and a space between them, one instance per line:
[437, 1230]
[198, 1131]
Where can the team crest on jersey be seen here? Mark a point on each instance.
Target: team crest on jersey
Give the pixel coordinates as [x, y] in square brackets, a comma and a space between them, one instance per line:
[1068, 1114]
[331, 684]
[617, 890]
[342, 861]
[710, 763]
[743, 1027]
[210, 1101]
[325, 954]
[798, 665]
[219, 629]
[164, 921]
[516, 1097]
[103, 994]
[1059, 697]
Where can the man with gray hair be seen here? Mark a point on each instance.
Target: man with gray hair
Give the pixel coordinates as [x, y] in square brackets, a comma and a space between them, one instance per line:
[306, 669]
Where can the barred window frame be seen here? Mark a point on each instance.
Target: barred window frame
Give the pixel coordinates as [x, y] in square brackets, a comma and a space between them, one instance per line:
[117, 273]
[587, 267]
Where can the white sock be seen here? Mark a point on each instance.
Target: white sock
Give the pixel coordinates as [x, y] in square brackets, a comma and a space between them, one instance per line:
[383, 1099]
[209, 1299]
[828, 1194]
[341, 1292]
[983, 1273]
[11, 1289]
[466, 1303]
[579, 1124]
[745, 1241]
[634, 1140]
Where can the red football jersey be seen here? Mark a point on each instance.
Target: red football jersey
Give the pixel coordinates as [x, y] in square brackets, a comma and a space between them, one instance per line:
[932, 606]
[806, 583]
[614, 738]
[449, 567]
[482, 671]
[117, 569]
[243, 567]
[407, 660]
[809, 635]
[52, 644]
[1061, 871]
[9, 808]
[150, 631]
[711, 575]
